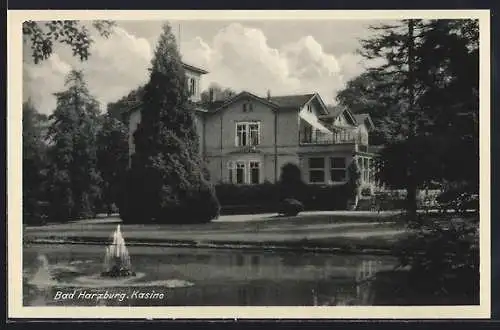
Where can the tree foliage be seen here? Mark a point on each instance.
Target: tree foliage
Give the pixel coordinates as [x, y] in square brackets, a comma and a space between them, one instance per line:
[432, 135]
[423, 98]
[443, 259]
[34, 161]
[291, 184]
[131, 100]
[219, 93]
[353, 179]
[73, 176]
[167, 181]
[112, 161]
[376, 95]
[42, 36]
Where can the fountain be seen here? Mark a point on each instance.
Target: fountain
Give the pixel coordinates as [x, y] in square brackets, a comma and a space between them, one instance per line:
[117, 260]
[42, 279]
[81, 275]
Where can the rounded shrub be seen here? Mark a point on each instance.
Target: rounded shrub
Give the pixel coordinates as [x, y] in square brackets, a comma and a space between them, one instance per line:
[290, 207]
[202, 205]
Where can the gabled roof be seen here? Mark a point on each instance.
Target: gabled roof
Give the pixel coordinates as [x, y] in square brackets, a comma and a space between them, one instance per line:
[291, 101]
[297, 101]
[364, 117]
[241, 95]
[333, 112]
[336, 110]
[281, 102]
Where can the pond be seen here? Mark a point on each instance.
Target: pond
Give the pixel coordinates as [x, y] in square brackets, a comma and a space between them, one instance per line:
[165, 276]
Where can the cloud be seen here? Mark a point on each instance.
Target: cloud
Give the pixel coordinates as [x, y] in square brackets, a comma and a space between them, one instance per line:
[237, 56]
[241, 58]
[115, 67]
[42, 80]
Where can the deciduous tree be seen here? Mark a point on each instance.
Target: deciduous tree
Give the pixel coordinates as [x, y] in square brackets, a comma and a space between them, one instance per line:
[73, 176]
[42, 36]
[132, 100]
[34, 161]
[219, 93]
[112, 161]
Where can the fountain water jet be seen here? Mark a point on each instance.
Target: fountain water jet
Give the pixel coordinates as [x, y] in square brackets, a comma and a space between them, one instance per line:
[42, 278]
[117, 259]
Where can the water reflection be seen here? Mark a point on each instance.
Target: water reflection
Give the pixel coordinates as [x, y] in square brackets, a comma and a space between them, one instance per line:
[218, 277]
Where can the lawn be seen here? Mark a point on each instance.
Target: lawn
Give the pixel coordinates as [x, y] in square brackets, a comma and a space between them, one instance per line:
[346, 230]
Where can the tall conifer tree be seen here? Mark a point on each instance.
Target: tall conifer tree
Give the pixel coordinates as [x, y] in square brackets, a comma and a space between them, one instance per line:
[428, 85]
[167, 180]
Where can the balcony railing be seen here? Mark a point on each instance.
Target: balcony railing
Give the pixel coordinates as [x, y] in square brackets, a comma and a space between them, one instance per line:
[330, 139]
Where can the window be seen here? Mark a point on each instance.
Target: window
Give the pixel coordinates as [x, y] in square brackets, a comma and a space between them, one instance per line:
[254, 134]
[371, 170]
[309, 108]
[254, 172]
[231, 166]
[308, 134]
[316, 170]
[247, 134]
[247, 107]
[240, 172]
[365, 166]
[337, 169]
[241, 135]
[192, 87]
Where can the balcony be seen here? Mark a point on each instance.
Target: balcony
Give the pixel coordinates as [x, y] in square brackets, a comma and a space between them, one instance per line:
[326, 143]
[329, 139]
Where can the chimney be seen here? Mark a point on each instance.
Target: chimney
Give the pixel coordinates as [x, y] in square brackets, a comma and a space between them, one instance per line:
[268, 94]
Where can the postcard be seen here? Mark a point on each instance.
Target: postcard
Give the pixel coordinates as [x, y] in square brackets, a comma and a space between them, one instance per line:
[249, 164]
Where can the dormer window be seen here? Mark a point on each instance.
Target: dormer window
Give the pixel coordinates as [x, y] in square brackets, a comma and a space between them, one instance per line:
[192, 87]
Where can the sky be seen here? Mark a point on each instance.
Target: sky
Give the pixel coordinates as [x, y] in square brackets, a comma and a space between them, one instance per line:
[282, 56]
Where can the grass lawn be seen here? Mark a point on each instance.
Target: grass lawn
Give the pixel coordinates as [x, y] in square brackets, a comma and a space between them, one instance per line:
[347, 230]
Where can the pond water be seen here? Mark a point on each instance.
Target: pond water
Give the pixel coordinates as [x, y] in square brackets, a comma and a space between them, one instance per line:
[63, 275]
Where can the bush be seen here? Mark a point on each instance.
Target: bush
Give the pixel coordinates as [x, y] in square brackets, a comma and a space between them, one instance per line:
[325, 198]
[290, 207]
[443, 257]
[366, 192]
[197, 204]
[203, 205]
[459, 197]
[37, 215]
[266, 197]
[291, 184]
[230, 194]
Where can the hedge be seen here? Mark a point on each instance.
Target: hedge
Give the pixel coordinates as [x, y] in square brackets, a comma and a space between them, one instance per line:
[235, 199]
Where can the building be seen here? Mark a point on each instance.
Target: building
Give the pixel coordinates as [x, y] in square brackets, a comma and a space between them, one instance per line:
[247, 138]
[193, 75]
